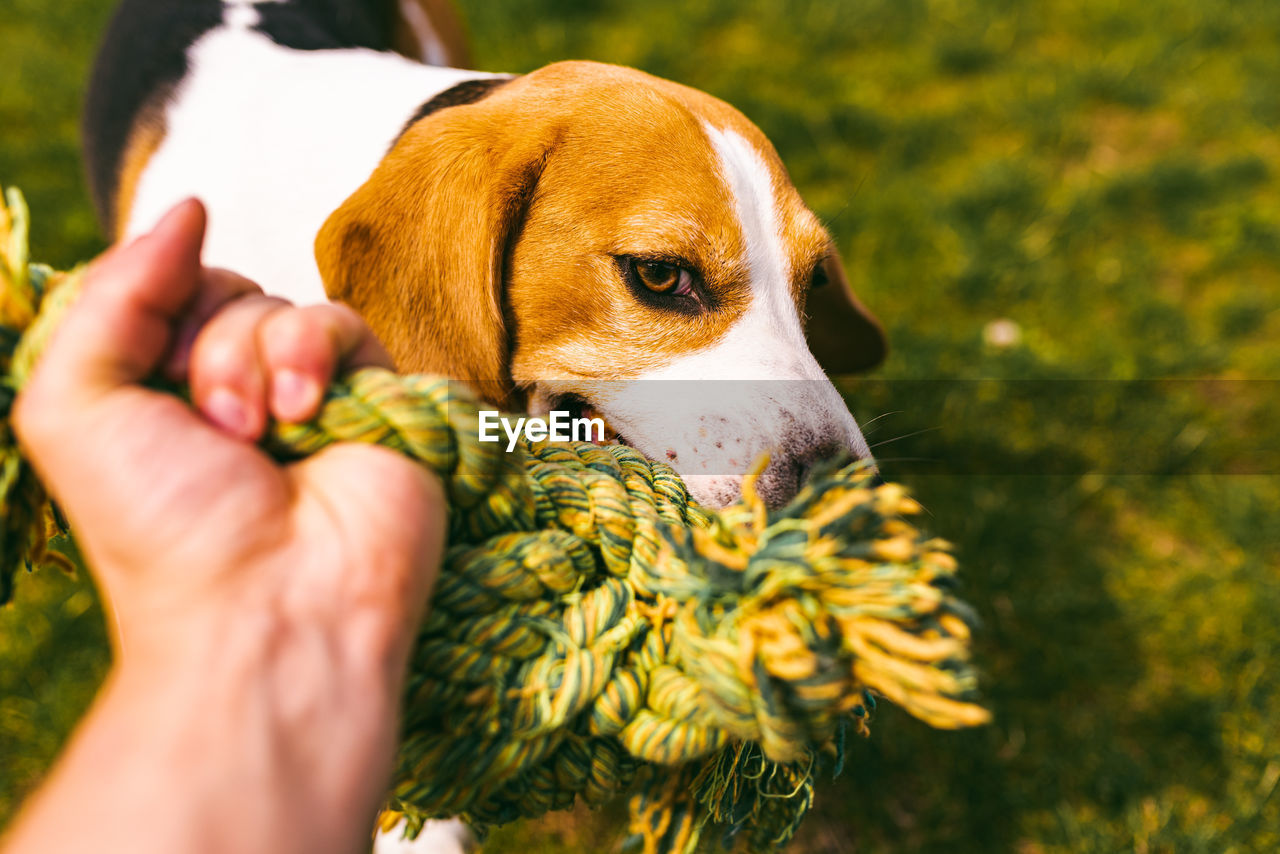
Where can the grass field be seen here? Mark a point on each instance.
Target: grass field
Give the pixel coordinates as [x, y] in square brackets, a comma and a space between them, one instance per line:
[1067, 214]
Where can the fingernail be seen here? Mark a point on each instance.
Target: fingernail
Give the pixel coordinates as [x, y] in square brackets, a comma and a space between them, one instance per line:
[294, 395]
[226, 410]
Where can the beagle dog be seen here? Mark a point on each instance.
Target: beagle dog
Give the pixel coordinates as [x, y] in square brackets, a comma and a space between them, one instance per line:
[583, 237]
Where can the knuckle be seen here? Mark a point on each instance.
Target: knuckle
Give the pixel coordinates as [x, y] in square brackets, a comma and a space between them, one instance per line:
[227, 344]
[295, 327]
[292, 338]
[222, 354]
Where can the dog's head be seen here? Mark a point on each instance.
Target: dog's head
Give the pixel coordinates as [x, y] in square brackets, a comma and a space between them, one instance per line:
[592, 237]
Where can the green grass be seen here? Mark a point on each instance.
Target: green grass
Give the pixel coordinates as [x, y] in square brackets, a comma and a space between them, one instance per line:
[1103, 175]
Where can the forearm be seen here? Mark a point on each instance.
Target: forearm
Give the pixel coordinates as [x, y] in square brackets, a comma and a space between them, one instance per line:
[205, 757]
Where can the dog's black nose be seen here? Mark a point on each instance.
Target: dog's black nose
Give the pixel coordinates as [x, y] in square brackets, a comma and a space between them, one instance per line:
[787, 473]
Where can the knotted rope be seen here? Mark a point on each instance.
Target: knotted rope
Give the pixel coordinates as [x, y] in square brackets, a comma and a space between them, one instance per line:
[593, 631]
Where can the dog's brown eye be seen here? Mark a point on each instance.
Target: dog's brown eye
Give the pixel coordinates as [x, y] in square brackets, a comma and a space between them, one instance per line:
[661, 277]
[666, 285]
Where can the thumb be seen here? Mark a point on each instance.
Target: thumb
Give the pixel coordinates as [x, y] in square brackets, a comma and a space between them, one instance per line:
[121, 326]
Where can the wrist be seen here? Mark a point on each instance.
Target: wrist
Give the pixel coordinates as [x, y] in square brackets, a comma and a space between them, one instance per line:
[238, 665]
[276, 744]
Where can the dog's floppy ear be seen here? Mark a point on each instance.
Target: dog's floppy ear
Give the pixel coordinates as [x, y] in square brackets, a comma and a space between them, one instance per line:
[844, 336]
[418, 249]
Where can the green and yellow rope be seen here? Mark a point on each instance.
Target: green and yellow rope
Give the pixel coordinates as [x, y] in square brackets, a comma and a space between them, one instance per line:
[594, 631]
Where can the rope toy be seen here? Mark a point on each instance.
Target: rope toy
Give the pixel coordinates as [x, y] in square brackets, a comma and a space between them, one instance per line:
[593, 630]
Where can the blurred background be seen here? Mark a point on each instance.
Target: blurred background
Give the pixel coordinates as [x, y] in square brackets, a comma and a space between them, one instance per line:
[1067, 214]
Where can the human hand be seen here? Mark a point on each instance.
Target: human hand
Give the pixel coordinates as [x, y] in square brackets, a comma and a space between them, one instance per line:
[263, 614]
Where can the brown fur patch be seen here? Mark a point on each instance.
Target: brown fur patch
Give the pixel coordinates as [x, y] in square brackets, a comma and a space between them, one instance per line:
[418, 249]
[144, 140]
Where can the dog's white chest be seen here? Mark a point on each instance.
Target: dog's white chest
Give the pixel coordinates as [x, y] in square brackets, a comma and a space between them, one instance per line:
[273, 140]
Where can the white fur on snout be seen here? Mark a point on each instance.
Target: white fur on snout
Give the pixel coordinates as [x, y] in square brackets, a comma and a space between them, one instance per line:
[711, 425]
[712, 413]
